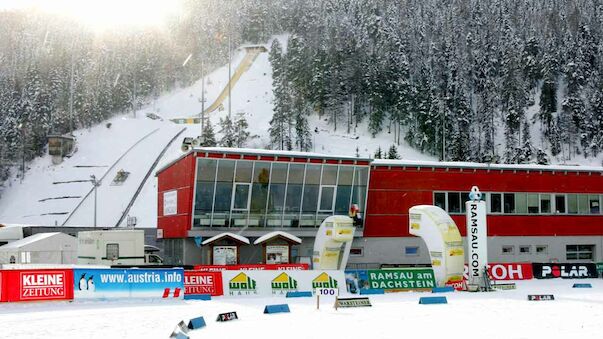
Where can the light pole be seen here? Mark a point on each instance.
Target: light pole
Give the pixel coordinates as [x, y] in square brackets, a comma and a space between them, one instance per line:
[95, 184]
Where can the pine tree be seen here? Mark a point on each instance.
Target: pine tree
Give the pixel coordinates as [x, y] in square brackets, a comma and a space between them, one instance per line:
[208, 137]
[241, 132]
[393, 153]
[280, 124]
[379, 153]
[229, 139]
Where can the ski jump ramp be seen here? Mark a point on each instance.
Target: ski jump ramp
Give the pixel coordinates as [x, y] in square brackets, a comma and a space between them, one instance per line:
[251, 55]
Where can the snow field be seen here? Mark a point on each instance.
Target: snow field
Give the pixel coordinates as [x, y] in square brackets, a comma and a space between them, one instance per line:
[503, 314]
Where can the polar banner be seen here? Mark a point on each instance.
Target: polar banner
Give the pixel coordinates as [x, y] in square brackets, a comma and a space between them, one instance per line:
[35, 285]
[196, 282]
[564, 270]
[128, 283]
[507, 271]
[278, 283]
[390, 280]
[477, 240]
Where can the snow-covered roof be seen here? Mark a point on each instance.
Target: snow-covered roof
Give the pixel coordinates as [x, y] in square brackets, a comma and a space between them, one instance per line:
[472, 165]
[254, 151]
[29, 240]
[236, 237]
[274, 234]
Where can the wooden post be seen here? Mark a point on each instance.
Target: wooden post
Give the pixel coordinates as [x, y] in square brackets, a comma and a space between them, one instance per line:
[317, 301]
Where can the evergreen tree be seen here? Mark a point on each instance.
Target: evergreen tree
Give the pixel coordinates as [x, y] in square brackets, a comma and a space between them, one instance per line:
[379, 153]
[393, 153]
[280, 124]
[208, 139]
[227, 129]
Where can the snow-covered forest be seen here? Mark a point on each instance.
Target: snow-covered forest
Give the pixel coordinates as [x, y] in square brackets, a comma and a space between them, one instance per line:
[491, 81]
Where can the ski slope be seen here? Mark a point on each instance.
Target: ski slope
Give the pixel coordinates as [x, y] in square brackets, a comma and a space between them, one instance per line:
[132, 143]
[575, 313]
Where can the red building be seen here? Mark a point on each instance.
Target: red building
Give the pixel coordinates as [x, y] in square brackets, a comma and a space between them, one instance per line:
[535, 213]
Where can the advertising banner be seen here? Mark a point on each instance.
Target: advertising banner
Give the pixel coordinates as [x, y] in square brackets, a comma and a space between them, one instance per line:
[564, 270]
[34, 285]
[390, 280]
[196, 282]
[507, 271]
[278, 283]
[282, 267]
[1, 288]
[128, 283]
[477, 240]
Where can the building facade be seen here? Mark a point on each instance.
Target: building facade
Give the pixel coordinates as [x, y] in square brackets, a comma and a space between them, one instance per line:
[535, 213]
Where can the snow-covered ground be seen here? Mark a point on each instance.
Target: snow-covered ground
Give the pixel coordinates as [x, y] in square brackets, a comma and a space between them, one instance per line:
[575, 313]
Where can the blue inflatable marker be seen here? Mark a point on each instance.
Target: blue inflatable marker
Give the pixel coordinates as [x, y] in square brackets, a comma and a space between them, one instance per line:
[196, 323]
[282, 308]
[432, 300]
[197, 297]
[442, 289]
[582, 286]
[299, 294]
[371, 291]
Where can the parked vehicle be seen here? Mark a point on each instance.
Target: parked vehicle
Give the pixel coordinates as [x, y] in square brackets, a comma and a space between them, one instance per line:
[115, 247]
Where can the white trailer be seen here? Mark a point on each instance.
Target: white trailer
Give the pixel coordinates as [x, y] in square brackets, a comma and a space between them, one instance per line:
[114, 247]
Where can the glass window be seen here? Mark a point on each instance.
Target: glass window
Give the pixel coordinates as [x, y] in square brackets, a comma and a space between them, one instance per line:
[279, 173]
[329, 174]
[545, 203]
[361, 177]
[508, 249]
[310, 198]
[495, 203]
[594, 204]
[112, 251]
[439, 199]
[205, 196]
[411, 251]
[509, 202]
[542, 249]
[560, 203]
[206, 169]
[579, 252]
[525, 249]
[521, 203]
[276, 198]
[572, 203]
[345, 175]
[241, 197]
[532, 203]
[358, 196]
[293, 198]
[356, 251]
[454, 202]
[243, 172]
[582, 204]
[259, 194]
[223, 197]
[225, 170]
[261, 172]
[312, 175]
[326, 198]
[342, 201]
[296, 173]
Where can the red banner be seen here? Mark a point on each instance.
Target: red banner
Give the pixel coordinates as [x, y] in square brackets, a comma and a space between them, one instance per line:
[508, 271]
[32, 285]
[198, 282]
[1, 287]
[220, 268]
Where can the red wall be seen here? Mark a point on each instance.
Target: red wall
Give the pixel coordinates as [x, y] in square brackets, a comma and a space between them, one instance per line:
[393, 191]
[181, 177]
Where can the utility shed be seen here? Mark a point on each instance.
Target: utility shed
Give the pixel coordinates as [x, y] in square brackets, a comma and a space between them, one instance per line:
[41, 248]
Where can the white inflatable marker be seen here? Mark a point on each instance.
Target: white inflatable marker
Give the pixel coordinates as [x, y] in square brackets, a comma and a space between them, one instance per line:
[443, 240]
[477, 237]
[333, 243]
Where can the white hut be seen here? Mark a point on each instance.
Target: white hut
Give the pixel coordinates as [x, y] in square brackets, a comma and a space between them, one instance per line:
[41, 248]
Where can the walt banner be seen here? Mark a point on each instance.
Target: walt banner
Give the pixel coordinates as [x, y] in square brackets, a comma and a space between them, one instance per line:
[278, 283]
[390, 280]
[128, 283]
[564, 270]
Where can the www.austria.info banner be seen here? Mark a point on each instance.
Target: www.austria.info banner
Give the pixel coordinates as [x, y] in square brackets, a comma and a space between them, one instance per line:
[128, 283]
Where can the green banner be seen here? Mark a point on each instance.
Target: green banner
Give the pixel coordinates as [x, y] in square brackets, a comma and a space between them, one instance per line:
[402, 279]
[600, 267]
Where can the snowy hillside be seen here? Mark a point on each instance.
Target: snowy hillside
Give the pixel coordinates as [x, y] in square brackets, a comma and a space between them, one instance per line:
[133, 144]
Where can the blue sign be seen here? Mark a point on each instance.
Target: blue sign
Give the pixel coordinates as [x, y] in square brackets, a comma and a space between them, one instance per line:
[128, 283]
[356, 280]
